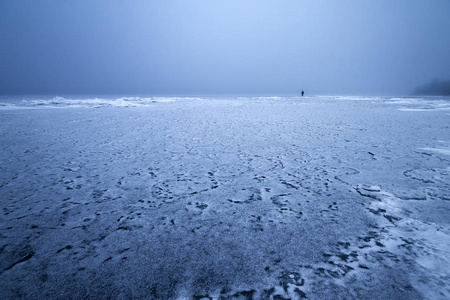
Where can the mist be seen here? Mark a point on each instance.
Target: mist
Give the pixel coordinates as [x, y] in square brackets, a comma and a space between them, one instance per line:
[222, 48]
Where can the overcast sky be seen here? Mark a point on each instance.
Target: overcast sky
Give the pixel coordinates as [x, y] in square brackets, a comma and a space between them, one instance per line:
[232, 47]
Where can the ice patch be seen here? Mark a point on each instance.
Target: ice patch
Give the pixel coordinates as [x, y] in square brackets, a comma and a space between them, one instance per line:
[263, 98]
[354, 98]
[437, 150]
[405, 237]
[421, 104]
[414, 109]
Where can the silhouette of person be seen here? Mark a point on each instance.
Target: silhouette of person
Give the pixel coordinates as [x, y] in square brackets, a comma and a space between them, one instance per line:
[302, 93]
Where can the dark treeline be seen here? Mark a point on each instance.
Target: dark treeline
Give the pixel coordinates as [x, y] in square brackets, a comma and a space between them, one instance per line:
[435, 88]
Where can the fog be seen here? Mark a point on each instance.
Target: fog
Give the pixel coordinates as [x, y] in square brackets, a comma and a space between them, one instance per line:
[230, 47]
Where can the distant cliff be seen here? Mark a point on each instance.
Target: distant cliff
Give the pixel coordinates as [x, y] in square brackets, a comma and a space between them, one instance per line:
[435, 88]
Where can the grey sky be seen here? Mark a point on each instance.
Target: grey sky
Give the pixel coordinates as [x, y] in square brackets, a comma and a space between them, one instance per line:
[207, 47]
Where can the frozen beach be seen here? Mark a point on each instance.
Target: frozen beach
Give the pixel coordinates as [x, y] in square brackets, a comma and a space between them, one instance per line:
[225, 198]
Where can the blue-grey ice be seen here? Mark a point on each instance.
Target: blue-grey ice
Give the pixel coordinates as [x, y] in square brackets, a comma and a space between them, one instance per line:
[225, 198]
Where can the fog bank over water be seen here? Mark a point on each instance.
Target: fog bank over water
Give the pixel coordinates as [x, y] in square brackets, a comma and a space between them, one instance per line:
[222, 48]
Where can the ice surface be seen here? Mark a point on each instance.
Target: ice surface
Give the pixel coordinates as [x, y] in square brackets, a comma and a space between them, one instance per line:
[327, 197]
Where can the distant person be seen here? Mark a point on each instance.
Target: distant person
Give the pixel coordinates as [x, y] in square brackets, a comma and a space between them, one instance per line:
[303, 93]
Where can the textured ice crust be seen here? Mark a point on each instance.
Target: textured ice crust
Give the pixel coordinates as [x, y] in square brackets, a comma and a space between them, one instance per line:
[225, 198]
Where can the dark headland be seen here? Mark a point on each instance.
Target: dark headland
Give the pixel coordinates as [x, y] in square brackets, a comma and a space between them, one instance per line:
[434, 88]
